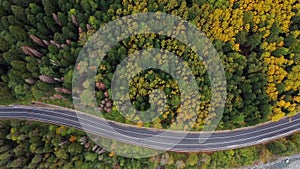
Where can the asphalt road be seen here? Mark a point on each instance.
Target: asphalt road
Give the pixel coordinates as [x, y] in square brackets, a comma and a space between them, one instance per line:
[158, 139]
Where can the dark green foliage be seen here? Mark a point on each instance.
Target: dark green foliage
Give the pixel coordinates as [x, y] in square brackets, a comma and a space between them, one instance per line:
[280, 52]
[12, 54]
[35, 8]
[31, 19]
[6, 6]
[50, 23]
[32, 66]
[253, 41]
[14, 21]
[277, 147]
[49, 6]
[18, 32]
[45, 87]
[275, 30]
[295, 23]
[4, 46]
[68, 79]
[42, 29]
[19, 12]
[241, 37]
[5, 93]
[62, 17]
[22, 91]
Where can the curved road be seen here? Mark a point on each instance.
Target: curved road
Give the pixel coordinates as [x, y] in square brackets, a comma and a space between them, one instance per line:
[158, 139]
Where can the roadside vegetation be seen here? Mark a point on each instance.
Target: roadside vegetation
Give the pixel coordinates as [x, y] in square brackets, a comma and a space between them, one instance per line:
[25, 144]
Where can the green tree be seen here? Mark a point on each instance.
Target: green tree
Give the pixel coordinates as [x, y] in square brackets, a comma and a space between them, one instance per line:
[254, 40]
[280, 52]
[5, 93]
[277, 147]
[19, 12]
[18, 32]
[90, 156]
[192, 159]
[4, 45]
[241, 37]
[17, 163]
[248, 17]
[50, 6]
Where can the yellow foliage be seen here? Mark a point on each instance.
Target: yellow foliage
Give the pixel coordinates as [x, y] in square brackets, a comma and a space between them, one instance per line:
[228, 22]
[292, 107]
[278, 116]
[281, 44]
[297, 99]
[61, 128]
[140, 124]
[14, 138]
[111, 154]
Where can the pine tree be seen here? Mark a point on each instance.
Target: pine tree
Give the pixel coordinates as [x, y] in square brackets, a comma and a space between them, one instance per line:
[19, 12]
[18, 32]
[4, 45]
[50, 6]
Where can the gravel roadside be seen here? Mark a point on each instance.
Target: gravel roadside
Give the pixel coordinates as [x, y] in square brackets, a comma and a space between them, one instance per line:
[290, 162]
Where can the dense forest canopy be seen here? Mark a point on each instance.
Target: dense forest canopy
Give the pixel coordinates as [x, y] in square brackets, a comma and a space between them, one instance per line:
[40, 146]
[258, 42]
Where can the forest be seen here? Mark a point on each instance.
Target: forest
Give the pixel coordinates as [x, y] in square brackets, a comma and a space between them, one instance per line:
[40, 40]
[258, 43]
[25, 144]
